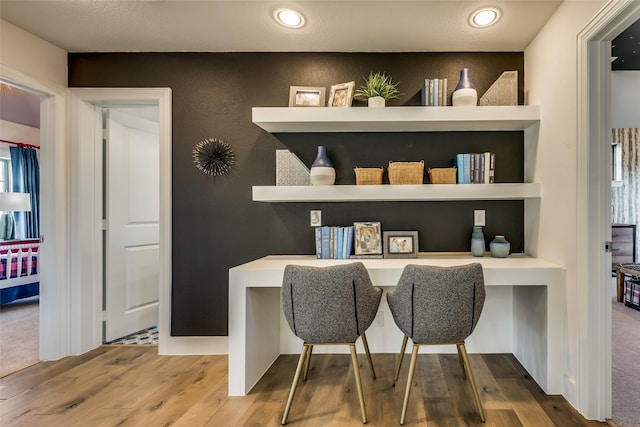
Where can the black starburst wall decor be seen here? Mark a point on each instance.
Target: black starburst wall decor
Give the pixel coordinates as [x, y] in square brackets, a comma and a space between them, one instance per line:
[213, 156]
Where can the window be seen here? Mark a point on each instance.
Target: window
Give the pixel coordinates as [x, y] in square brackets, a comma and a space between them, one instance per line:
[5, 175]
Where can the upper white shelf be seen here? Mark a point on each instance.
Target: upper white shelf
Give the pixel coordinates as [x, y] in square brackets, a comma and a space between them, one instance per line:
[396, 193]
[395, 119]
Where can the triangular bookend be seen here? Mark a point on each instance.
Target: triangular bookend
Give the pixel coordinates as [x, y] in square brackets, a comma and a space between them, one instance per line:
[503, 91]
[290, 170]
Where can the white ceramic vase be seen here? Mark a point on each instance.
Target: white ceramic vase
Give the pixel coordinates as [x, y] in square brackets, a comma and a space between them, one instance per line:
[376, 102]
[465, 94]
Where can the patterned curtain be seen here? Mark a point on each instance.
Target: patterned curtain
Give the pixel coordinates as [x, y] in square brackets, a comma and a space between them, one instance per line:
[626, 198]
[26, 179]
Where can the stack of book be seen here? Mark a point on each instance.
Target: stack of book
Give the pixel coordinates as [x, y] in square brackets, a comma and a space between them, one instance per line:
[434, 92]
[476, 168]
[334, 242]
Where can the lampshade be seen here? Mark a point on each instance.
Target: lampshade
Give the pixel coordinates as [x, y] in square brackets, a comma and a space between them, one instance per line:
[11, 202]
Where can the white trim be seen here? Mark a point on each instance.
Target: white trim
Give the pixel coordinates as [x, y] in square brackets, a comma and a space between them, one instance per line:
[593, 206]
[53, 258]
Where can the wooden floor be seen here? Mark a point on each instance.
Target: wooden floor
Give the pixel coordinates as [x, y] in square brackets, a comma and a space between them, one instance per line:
[133, 386]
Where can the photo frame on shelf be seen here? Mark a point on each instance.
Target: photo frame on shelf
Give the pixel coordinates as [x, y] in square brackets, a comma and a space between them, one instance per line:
[401, 244]
[306, 96]
[341, 95]
[367, 238]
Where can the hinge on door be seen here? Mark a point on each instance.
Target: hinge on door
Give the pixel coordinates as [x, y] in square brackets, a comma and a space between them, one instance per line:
[105, 225]
[105, 133]
[104, 315]
[607, 246]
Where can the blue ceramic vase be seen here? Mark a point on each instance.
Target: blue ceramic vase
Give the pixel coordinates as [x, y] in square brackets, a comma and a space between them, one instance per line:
[477, 242]
[499, 247]
[322, 171]
[465, 94]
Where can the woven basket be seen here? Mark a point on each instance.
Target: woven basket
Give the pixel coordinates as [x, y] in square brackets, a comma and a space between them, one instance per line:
[443, 175]
[406, 172]
[368, 176]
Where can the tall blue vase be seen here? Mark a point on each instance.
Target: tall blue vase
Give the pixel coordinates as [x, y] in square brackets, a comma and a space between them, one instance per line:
[322, 171]
[477, 242]
[465, 94]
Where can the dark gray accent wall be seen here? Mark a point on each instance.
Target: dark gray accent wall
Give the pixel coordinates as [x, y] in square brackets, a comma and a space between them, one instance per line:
[216, 225]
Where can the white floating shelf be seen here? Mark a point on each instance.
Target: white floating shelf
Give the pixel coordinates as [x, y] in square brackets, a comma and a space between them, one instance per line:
[395, 119]
[395, 193]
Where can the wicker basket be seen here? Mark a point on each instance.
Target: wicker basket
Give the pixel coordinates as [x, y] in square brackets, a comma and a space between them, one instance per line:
[368, 176]
[406, 172]
[443, 175]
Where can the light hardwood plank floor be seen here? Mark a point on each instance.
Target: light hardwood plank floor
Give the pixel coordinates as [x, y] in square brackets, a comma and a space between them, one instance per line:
[133, 386]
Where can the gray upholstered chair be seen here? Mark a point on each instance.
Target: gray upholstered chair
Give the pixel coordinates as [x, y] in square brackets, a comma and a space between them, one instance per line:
[434, 306]
[329, 305]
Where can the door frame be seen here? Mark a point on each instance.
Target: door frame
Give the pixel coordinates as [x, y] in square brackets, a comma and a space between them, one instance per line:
[87, 200]
[86, 217]
[54, 264]
[594, 205]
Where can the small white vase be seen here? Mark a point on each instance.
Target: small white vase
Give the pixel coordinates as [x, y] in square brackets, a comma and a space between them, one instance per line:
[464, 98]
[322, 175]
[376, 102]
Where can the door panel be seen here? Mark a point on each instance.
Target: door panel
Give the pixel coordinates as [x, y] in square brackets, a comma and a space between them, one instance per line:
[132, 237]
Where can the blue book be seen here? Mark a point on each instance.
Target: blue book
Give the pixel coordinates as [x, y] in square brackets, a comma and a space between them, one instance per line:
[318, 242]
[467, 168]
[349, 241]
[326, 242]
[460, 167]
[340, 233]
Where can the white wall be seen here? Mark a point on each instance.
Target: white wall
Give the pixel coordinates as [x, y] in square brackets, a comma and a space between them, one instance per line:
[31, 55]
[551, 82]
[16, 132]
[625, 99]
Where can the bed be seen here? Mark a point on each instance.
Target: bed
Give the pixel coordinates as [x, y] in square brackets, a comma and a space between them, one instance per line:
[19, 276]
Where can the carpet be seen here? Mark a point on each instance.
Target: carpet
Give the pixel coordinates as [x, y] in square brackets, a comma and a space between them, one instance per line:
[19, 336]
[625, 365]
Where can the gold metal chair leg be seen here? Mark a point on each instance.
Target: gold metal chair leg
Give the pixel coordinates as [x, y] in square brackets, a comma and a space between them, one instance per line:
[296, 378]
[356, 371]
[464, 372]
[307, 363]
[366, 350]
[472, 380]
[402, 350]
[412, 368]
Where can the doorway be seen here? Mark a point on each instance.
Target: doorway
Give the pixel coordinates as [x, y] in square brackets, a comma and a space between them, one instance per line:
[19, 275]
[594, 202]
[88, 207]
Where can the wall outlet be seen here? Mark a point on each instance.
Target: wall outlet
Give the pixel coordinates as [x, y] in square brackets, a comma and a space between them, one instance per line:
[315, 218]
[478, 218]
[378, 322]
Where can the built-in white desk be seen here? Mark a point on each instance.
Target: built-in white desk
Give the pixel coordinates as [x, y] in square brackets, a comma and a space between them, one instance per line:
[522, 314]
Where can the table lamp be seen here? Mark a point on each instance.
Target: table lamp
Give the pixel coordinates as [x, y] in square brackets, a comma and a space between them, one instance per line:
[12, 202]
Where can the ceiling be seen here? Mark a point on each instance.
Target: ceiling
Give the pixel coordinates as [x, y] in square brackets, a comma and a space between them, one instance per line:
[247, 26]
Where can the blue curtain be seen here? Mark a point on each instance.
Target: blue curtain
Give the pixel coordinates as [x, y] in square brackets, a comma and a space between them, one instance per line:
[26, 179]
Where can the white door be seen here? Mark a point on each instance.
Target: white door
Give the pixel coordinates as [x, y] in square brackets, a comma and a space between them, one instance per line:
[132, 222]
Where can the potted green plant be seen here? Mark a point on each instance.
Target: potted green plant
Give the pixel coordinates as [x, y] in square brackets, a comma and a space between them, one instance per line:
[378, 89]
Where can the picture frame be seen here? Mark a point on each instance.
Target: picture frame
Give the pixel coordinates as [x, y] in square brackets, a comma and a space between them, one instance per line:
[341, 95]
[306, 96]
[401, 244]
[367, 238]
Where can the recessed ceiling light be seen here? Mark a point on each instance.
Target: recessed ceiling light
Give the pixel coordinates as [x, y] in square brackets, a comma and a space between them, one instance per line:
[484, 17]
[289, 18]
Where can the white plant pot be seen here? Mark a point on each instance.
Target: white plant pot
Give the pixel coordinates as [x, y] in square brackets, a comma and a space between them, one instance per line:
[322, 175]
[376, 102]
[466, 97]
